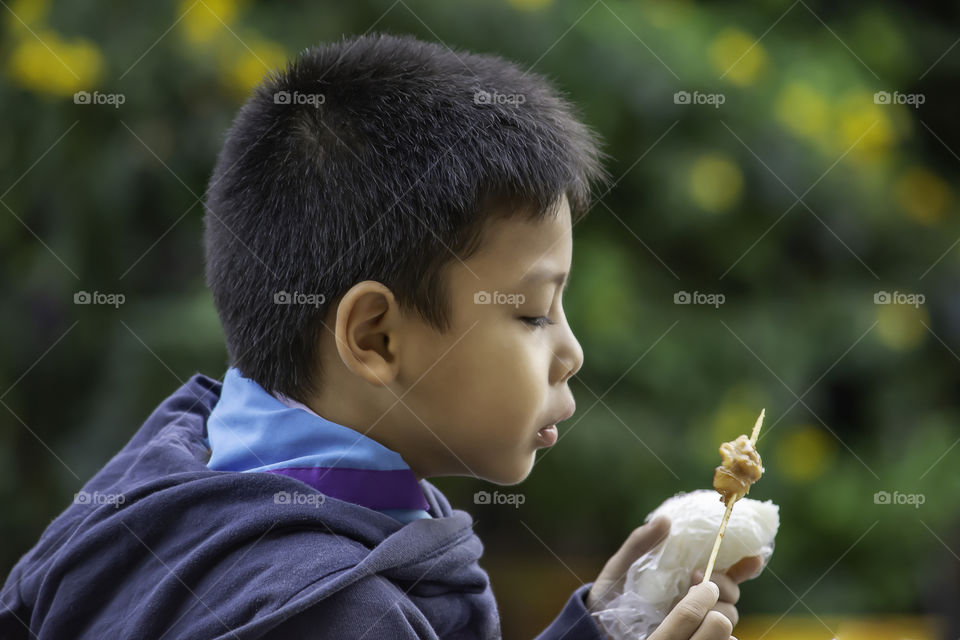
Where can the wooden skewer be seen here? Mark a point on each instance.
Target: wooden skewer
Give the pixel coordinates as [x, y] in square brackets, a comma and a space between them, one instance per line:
[716, 544]
[733, 499]
[756, 427]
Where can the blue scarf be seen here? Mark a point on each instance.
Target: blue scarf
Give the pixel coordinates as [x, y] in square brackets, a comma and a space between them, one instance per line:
[249, 430]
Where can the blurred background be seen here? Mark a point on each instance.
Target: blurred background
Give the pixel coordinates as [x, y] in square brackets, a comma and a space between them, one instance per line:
[782, 233]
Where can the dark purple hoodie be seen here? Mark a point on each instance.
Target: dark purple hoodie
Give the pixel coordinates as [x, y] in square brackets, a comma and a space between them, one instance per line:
[160, 546]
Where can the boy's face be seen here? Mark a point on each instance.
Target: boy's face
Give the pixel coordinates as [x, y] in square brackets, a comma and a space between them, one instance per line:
[476, 398]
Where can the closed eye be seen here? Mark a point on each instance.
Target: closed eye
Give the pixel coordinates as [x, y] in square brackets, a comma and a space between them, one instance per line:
[537, 321]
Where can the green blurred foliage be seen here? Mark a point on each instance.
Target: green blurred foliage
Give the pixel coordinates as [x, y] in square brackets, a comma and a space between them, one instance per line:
[797, 198]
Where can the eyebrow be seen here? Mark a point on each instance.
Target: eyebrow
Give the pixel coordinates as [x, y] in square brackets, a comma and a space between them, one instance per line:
[543, 275]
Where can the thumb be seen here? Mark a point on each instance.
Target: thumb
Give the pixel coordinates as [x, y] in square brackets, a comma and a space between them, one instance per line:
[640, 541]
[612, 576]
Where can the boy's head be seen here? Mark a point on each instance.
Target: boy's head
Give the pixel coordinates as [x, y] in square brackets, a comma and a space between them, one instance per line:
[375, 223]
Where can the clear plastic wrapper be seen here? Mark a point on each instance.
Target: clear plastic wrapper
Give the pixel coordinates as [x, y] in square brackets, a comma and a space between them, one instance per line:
[660, 577]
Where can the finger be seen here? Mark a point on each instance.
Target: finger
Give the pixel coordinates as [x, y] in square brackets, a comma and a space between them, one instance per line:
[728, 610]
[690, 613]
[716, 626]
[745, 569]
[729, 591]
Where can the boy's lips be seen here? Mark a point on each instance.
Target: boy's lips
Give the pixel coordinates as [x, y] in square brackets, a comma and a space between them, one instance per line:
[566, 414]
[548, 435]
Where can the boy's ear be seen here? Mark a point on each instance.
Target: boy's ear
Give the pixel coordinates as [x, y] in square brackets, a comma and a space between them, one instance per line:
[367, 330]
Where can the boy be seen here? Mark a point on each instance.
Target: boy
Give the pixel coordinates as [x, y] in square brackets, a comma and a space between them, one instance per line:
[388, 235]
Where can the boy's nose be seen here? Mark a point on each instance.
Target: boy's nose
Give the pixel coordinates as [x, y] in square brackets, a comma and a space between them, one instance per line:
[569, 357]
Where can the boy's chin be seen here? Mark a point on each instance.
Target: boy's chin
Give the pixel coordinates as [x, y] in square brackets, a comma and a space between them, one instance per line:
[509, 476]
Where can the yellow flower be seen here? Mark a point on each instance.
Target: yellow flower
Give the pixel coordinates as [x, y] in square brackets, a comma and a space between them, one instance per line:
[900, 325]
[243, 68]
[54, 66]
[736, 415]
[204, 19]
[865, 126]
[804, 111]
[923, 195]
[738, 56]
[804, 453]
[530, 5]
[665, 15]
[28, 12]
[715, 182]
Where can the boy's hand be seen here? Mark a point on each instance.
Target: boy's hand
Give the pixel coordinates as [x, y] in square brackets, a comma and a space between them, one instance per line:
[706, 612]
[727, 582]
[609, 584]
[694, 617]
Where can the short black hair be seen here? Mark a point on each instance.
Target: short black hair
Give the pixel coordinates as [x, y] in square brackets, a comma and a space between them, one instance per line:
[377, 157]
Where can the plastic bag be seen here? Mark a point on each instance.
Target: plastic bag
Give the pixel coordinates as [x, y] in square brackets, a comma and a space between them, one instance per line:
[660, 577]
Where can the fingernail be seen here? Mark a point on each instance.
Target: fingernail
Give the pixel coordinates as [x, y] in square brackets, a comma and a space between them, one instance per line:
[714, 588]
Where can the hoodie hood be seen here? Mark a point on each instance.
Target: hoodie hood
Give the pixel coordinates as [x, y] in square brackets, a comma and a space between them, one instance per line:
[158, 545]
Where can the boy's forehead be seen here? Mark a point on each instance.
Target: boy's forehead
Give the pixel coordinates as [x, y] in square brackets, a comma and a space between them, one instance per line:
[515, 248]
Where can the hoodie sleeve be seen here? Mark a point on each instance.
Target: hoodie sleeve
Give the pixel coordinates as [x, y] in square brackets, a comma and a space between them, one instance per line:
[574, 621]
[372, 609]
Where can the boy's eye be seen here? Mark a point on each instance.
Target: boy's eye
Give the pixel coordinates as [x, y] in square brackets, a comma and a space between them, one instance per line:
[537, 321]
